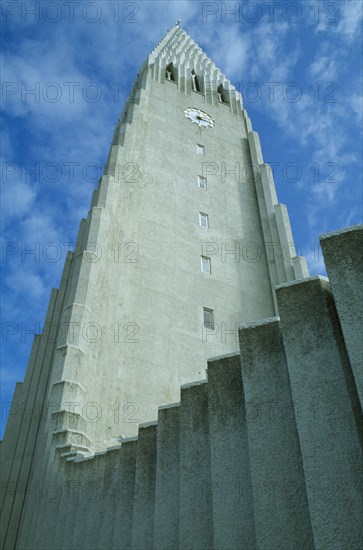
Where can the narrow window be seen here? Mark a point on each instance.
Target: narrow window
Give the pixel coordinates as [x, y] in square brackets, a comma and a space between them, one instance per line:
[170, 73]
[202, 182]
[203, 220]
[208, 318]
[195, 82]
[200, 150]
[222, 94]
[205, 264]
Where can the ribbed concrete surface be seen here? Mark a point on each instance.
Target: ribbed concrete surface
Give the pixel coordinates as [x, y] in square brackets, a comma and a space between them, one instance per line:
[264, 455]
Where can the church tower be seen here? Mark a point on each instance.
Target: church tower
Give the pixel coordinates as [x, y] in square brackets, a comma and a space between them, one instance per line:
[184, 240]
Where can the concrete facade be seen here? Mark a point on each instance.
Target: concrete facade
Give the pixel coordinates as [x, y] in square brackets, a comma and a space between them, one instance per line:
[264, 454]
[128, 339]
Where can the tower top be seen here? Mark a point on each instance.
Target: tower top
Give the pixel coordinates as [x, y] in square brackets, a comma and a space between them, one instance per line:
[179, 48]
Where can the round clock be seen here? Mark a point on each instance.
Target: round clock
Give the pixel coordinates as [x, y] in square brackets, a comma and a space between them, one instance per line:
[199, 117]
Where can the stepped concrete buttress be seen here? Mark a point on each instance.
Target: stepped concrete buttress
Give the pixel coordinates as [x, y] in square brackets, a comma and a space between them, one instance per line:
[265, 454]
[343, 254]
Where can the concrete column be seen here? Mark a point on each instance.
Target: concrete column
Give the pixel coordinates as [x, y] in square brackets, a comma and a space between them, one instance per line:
[343, 255]
[166, 528]
[326, 405]
[144, 500]
[11, 436]
[233, 518]
[279, 494]
[255, 147]
[264, 185]
[68, 504]
[50, 510]
[41, 428]
[23, 456]
[103, 534]
[95, 491]
[288, 252]
[122, 532]
[196, 506]
[87, 470]
[74, 494]
[301, 270]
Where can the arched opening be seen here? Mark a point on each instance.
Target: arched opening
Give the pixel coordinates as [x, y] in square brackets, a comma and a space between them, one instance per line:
[171, 73]
[222, 94]
[196, 87]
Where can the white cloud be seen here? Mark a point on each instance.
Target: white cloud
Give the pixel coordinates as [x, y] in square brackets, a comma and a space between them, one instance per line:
[37, 86]
[343, 19]
[351, 14]
[268, 61]
[324, 68]
[228, 50]
[17, 196]
[356, 103]
[25, 282]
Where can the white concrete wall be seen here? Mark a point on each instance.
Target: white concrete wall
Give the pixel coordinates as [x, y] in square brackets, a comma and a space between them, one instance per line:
[264, 454]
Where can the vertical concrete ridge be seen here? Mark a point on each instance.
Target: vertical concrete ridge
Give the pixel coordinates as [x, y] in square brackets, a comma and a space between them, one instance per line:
[343, 255]
[230, 483]
[265, 453]
[94, 199]
[300, 266]
[27, 528]
[15, 418]
[96, 492]
[80, 237]
[70, 497]
[288, 251]
[125, 494]
[103, 533]
[167, 484]
[279, 494]
[51, 494]
[326, 417]
[86, 476]
[283, 263]
[196, 502]
[107, 194]
[22, 459]
[144, 497]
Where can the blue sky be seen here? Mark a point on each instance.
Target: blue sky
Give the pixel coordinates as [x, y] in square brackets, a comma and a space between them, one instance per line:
[297, 64]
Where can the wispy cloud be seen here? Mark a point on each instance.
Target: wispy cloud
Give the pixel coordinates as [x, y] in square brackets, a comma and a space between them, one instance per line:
[351, 19]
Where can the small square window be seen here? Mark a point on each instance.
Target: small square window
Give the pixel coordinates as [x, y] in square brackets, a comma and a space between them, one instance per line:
[202, 182]
[200, 150]
[205, 264]
[203, 220]
[208, 318]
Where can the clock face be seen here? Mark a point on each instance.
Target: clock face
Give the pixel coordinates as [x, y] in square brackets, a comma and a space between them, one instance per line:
[199, 117]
